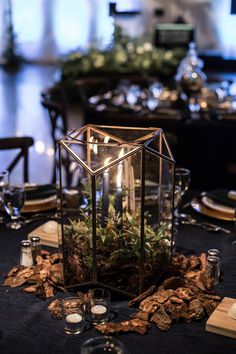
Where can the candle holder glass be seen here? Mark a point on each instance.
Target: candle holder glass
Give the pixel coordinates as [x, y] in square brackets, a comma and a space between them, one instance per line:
[73, 315]
[100, 306]
[115, 233]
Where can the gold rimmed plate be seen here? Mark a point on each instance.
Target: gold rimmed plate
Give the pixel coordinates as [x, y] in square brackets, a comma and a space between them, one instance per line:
[39, 198]
[209, 203]
[37, 208]
[198, 206]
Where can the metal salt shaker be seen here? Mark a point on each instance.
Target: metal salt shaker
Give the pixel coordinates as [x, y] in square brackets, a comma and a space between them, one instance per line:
[26, 258]
[216, 253]
[212, 269]
[35, 247]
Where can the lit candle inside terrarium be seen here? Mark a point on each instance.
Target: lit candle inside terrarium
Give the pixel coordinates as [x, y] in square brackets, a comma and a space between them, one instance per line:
[118, 202]
[93, 145]
[91, 142]
[105, 193]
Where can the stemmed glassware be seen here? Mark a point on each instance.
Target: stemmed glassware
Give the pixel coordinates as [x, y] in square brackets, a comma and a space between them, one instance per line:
[4, 180]
[182, 179]
[168, 193]
[13, 199]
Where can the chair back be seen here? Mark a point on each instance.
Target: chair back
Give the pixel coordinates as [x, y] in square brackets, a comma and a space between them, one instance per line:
[22, 145]
[58, 119]
[55, 103]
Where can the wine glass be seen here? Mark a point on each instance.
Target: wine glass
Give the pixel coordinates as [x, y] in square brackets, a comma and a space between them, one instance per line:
[13, 199]
[4, 180]
[182, 179]
[168, 203]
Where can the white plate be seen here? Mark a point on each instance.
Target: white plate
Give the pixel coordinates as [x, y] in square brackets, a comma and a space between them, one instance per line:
[216, 206]
[40, 201]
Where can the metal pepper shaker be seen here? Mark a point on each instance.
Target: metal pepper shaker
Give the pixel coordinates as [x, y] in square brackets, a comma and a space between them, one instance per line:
[35, 247]
[26, 258]
[215, 253]
[212, 269]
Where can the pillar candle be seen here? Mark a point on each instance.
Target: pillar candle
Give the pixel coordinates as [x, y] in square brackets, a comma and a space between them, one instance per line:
[118, 201]
[105, 197]
[105, 194]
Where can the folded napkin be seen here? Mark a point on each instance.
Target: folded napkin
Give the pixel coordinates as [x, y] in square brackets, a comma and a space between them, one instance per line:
[40, 192]
[221, 196]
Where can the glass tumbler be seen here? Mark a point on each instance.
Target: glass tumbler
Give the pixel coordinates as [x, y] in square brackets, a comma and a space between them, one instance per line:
[73, 315]
[100, 306]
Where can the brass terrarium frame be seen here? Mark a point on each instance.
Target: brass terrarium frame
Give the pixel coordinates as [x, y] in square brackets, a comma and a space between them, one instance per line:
[149, 142]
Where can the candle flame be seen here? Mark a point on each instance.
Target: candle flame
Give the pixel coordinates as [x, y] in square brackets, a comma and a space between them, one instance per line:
[106, 162]
[119, 177]
[91, 141]
[106, 139]
[95, 147]
[121, 153]
[120, 169]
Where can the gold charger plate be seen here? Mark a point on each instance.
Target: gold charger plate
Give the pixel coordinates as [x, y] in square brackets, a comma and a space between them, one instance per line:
[198, 206]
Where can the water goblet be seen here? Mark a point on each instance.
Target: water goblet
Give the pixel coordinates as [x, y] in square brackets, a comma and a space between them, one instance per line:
[171, 199]
[13, 199]
[4, 180]
[182, 179]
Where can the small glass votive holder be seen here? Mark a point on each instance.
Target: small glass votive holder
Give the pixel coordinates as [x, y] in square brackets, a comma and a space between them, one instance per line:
[100, 306]
[73, 315]
[102, 344]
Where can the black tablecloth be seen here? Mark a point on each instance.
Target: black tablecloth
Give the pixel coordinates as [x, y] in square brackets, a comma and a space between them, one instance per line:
[27, 327]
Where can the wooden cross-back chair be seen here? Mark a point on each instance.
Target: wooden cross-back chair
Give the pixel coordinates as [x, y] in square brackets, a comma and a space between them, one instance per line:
[22, 145]
[55, 103]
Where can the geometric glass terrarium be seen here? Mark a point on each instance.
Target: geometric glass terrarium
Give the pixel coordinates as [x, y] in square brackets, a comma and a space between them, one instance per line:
[116, 212]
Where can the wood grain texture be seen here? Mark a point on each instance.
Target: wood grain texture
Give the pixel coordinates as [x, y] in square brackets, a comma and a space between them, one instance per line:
[46, 239]
[220, 322]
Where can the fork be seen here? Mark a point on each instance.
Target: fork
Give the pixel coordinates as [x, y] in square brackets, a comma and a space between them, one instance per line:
[189, 220]
[39, 216]
[203, 226]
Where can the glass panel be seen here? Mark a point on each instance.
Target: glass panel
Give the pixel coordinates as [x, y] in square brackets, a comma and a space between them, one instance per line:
[160, 144]
[76, 217]
[113, 217]
[158, 230]
[118, 233]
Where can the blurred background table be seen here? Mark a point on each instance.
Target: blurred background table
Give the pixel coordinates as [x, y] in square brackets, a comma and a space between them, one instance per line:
[205, 146]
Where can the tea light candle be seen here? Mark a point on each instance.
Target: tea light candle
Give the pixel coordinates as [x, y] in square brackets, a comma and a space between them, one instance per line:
[74, 318]
[98, 313]
[98, 309]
